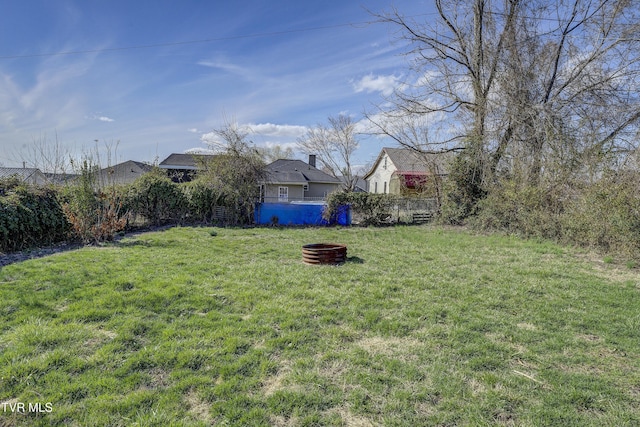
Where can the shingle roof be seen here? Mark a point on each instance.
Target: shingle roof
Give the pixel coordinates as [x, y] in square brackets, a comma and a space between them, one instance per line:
[297, 171]
[182, 161]
[407, 160]
[23, 173]
[124, 172]
[411, 161]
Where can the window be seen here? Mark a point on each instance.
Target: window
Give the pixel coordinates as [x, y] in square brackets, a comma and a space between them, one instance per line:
[385, 163]
[375, 187]
[305, 187]
[385, 187]
[283, 194]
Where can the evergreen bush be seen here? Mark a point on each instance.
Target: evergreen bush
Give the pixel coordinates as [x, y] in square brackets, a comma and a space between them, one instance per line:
[30, 216]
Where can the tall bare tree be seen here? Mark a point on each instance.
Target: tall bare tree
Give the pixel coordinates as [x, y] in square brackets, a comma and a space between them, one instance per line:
[50, 156]
[531, 87]
[275, 152]
[334, 144]
[236, 171]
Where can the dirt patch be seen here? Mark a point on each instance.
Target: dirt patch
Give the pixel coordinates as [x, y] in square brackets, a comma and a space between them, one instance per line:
[400, 348]
[527, 326]
[277, 381]
[198, 407]
[351, 420]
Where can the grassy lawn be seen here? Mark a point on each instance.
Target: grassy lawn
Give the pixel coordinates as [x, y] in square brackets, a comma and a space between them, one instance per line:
[422, 326]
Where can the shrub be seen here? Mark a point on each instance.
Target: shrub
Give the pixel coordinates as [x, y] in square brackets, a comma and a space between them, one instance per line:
[201, 198]
[29, 216]
[374, 209]
[463, 189]
[604, 215]
[95, 215]
[607, 215]
[156, 198]
[521, 209]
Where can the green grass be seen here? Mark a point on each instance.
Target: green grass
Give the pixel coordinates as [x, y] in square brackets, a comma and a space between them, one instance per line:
[422, 326]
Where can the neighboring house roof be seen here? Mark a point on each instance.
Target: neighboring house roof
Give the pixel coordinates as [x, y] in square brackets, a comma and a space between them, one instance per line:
[60, 178]
[285, 171]
[407, 161]
[182, 161]
[124, 172]
[31, 175]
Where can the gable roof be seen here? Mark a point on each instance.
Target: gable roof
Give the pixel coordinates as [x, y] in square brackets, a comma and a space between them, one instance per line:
[24, 174]
[124, 172]
[410, 161]
[297, 172]
[182, 161]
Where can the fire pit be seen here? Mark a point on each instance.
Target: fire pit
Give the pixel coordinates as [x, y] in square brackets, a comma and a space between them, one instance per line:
[324, 253]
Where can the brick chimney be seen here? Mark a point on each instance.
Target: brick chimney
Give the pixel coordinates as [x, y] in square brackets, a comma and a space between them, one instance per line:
[312, 160]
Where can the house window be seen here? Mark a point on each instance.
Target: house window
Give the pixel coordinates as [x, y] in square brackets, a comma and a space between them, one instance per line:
[305, 187]
[385, 163]
[385, 187]
[283, 194]
[375, 185]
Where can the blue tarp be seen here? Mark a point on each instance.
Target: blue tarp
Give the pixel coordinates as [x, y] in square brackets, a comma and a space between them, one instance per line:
[299, 214]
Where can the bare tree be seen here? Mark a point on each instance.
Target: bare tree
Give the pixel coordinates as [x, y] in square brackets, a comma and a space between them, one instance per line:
[50, 156]
[334, 144]
[533, 88]
[275, 152]
[237, 170]
[570, 87]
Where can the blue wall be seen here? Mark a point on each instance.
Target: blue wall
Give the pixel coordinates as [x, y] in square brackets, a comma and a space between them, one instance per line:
[299, 214]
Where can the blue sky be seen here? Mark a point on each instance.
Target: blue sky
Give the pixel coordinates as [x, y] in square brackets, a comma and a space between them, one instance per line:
[80, 71]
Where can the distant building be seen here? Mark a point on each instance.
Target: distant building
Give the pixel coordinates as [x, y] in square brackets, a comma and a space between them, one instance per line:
[123, 173]
[405, 171]
[295, 180]
[183, 167]
[29, 175]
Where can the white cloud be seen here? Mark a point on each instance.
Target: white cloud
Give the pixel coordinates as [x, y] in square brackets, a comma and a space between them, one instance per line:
[383, 84]
[100, 118]
[193, 130]
[284, 145]
[198, 150]
[210, 138]
[270, 129]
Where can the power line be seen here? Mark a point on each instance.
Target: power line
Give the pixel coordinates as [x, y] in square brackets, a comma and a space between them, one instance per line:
[187, 42]
[361, 24]
[246, 36]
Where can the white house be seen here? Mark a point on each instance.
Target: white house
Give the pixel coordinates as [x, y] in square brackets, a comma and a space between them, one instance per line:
[403, 171]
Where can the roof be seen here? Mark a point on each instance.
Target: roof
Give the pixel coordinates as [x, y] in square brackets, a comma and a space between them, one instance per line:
[182, 161]
[124, 172]
[22, 173]
[297, 172]
[129, 166]
[411, 161]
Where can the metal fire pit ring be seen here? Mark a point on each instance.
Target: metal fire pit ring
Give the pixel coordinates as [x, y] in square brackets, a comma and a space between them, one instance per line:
[324, 253]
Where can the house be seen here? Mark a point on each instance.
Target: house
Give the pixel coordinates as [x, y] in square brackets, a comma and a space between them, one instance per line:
[405, 171]
[60, 178]
[123, 173]
[29, 175]
[296, 181]
[183, 167]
